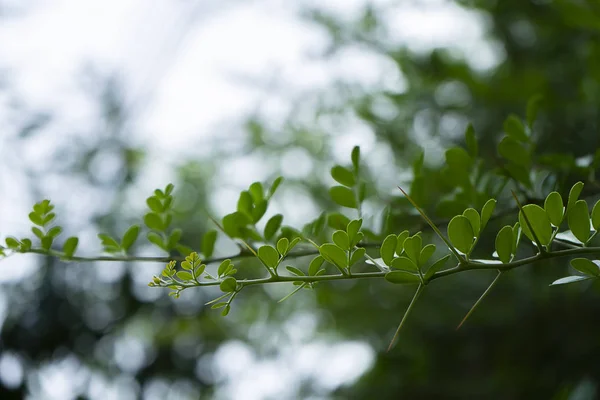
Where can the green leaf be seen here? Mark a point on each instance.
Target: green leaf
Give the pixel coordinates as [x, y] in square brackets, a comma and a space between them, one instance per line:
[471, 140]
[404, 263]
[54, 232]
[226, 310]
[412, 247]
[130, 237]
[343, 196]
[533, 106]
[356, 159]
[283, 246]
[402, 278]
[315, 265]
[48, 218]
[358, 254]
[295, 271]
[169, 189]
[513, 151]
[362, 191]
[223, 267]
[340, 238]
[199, 270]
[174, 238]
[400, 244]
[37, 232]
[574, 195]
[596, 216]
[337, 221]
[47, 242]
[154, 204]
[487, 211]
[110, 245]
[269, 256]
[474, 218]
[259, 210]
[154, 221]
[232, 224]
[208, 243]
[460, 233]
[245, 203]
[293, 243]
[187, 265]
[515, 129]
[388, 247]
[273, 225]
[12, 243]
[579, 220]
[585, 266]
[426, 254]
[155, 238]
[257, 192]
[25, 244]
[275, 185]
[167, 203]
[228, 285]
[458, 159]
[353, 230]
[185, 276]
[334, 255]
[539, 222]
[504, 244]
[569, 279]
[436, 266]
[36, 219]
[554, 208]
[70, 246]
[343, 176]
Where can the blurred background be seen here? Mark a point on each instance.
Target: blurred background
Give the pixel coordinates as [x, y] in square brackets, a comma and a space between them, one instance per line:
[101, 102]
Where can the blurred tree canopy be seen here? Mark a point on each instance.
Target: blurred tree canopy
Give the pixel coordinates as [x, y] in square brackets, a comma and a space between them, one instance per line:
[103, 327]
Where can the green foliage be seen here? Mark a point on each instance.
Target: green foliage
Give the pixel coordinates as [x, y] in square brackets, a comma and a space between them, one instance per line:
[460, 232]
[538, 219]
[405, 259]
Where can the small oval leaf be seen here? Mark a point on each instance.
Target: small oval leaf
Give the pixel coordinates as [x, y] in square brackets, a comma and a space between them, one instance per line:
[539, 222]
[569, 279]
[461, 234]
[554, 208]
[343, 175]
[504, 244]
[343, 196]
[412, 247]
[269, 256]
[585, 266]
[579, 220]
[341, 239]
[474, 218]
[387, 249]
[487, 211]
[228, 285]
[333, 254]
[404, 263]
